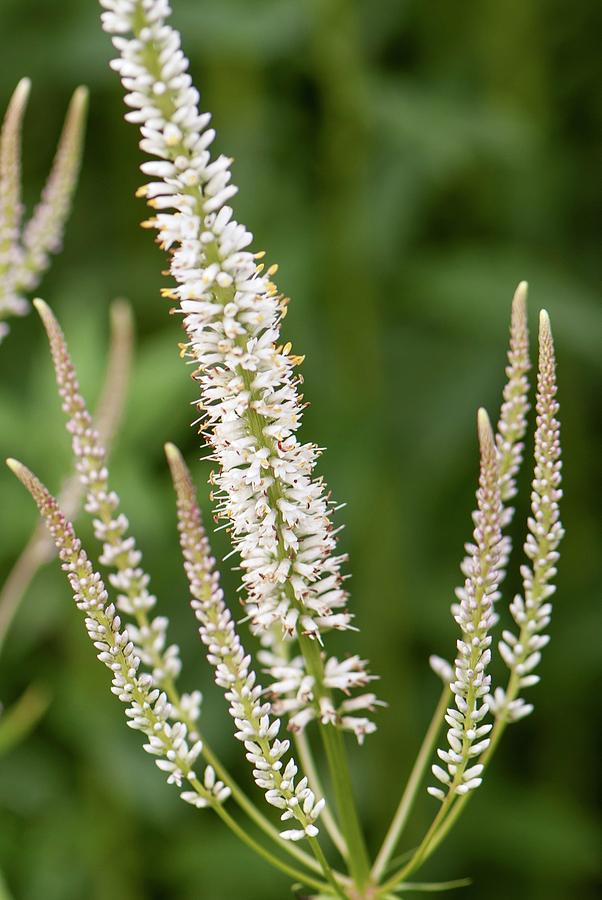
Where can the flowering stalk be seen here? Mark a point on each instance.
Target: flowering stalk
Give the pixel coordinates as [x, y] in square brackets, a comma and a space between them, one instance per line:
[250, 711]
[107, 418]
[532, 614]
[511, 428]
[467, 738]
[279, 514]
[148, 709]
[25, 253]
[11, 209]
[121, 554]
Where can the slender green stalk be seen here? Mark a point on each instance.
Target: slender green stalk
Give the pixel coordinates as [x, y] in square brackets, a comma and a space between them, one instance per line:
[244, 802]
[411, 789]
[449, 812]
[357, 859]
[319, 854]
[309, 767]
[40, 549]
[296, 874]
[454, 812]
[19, 719]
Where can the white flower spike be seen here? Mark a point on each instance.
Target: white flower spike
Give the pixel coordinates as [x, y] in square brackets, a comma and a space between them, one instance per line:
[25, 252]
[278, 512]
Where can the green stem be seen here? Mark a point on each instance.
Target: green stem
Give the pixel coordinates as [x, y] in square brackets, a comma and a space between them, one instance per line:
[454, 813]
[248, 807]
[357, 859]
[411, 789]
[296, 874]
[319, 853]
[447, 815]
[309, 767]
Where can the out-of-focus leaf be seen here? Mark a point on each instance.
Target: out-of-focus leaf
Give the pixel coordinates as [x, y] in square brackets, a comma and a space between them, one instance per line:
[20, 719]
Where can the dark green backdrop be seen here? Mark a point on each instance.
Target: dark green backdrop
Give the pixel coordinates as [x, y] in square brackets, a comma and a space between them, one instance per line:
[406, 163]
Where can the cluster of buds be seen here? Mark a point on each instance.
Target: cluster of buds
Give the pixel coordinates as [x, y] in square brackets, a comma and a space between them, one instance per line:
[119, 551]
[471, 683]
[488, 556]
[147, 708]
[532, 613]
[25, 250]
[251, 712]
[279, 514]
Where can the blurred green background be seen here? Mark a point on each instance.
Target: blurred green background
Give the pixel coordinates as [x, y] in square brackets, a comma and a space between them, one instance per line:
[406, 163]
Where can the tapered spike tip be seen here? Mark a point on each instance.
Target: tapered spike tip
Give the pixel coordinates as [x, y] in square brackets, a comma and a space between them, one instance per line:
[484, 428]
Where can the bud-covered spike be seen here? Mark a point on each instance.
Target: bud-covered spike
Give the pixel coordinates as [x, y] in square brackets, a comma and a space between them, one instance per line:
[474, 614]
[512, 423]
[10, 159]
[11, 209]
[148, 710]
[532, 611]
[120, 552]
[43, 234]
[251, 712]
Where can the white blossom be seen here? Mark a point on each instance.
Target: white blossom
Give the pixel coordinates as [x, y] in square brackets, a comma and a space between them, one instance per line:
[147, 708]
[278, 512]
[119, 550]
[251, 711]
[532, 611]
[467, 735]
[25, 251]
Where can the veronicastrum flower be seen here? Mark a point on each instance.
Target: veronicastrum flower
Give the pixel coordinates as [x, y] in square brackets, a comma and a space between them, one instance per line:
[148, 709]
[25, 252]
[149, 635]
[279, 514]
[233, 672]
[532, 613]
[466, 735]
[511, 428]
[280, 519]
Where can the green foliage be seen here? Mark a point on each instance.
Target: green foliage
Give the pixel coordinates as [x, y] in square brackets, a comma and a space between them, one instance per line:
[406, 163]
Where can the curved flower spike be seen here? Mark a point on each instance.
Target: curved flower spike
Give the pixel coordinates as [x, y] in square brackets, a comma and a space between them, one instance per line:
[25, 255]
[11, 208]
[250, 711]
[111, 527]
[466, 736]
[532, 613]
[39, 549]
[43, 234]
[279, 513]
[510, 433]
[148, 709]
